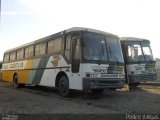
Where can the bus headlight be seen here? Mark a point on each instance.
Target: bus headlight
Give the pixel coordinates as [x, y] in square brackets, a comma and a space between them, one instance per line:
[88, 75]
[91, 75]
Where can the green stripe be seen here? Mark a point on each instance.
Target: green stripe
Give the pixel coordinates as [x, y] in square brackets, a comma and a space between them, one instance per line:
[37, 76]
[32, 72]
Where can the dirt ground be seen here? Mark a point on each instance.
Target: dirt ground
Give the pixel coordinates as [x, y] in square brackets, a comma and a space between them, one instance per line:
[42, 100]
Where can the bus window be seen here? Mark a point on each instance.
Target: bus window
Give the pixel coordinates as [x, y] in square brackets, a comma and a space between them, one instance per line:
[129, 54]
[51, 46]
[20, 54]
[67, 48]
[138, 55]
[29, 51]
[12, 56]
[75, 54]
[40, 49]
[114, 50]
[57, 44]
[135, 52]
[54, 45]
[94, 47]
[147, 51]
[6, 58]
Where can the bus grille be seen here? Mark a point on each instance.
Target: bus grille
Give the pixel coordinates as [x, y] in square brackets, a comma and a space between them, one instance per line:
[144, 77]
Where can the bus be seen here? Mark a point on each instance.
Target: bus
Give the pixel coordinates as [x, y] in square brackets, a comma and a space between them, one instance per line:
[139, 61]
[0, 68]
[74, 59]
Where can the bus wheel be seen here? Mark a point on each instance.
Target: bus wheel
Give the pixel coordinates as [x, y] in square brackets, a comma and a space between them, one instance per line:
[113, 89]
[133, 86]
[15, 81]
[64, 87]
[97, 91]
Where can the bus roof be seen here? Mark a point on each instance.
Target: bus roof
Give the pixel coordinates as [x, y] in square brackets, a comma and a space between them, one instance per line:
[89, 30]
[132, 39]
[60, 33]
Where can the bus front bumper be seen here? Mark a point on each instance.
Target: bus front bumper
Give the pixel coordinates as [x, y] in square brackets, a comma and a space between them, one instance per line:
[142, 77]
[102, 83]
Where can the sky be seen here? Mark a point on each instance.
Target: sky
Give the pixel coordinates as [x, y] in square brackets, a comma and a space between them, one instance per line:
[23, 21]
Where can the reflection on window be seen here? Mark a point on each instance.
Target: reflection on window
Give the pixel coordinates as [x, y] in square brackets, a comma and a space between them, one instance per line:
[12, 56]
[6, 58]
[139, 51]
[135, 52]
[114, 49]
[147, 51]
[101, 47]
[20, 54]
[76, 48]
[54, 45]
[40, 49]
[29, 51]
[94, 47]
[68, 45]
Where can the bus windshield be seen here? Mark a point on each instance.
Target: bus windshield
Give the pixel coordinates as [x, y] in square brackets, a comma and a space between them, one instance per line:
[147, 51]
[139, 51]
[101, 48]
[114, 49]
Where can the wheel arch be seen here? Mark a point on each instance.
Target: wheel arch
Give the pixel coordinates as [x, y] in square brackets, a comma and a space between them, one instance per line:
[61, 73]
[15, 73]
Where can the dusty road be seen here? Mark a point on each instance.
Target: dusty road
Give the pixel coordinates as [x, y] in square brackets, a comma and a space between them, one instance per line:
[31, 100]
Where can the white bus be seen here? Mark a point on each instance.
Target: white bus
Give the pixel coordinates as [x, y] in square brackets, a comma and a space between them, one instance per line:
[76, 58]
[139, 61]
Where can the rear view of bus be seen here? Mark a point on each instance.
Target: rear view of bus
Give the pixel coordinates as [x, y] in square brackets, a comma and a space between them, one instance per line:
[139, 61]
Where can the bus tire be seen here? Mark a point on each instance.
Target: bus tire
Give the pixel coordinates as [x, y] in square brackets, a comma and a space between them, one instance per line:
[64, 86]
[133, 86]
[113, 89]
[15, 81]
[97, 91]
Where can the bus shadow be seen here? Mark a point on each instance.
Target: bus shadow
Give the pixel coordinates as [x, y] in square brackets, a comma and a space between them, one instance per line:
[81, 95]
[50, 91]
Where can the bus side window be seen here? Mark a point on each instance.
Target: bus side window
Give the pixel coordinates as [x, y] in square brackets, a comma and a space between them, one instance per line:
[54, 45]
[75, 54]
[68, 47]
[129, 54]
[29, 51]
[57, 45]
[20, 54]
[13, 56]
[50, 46]
[40, 49]
[6, 57]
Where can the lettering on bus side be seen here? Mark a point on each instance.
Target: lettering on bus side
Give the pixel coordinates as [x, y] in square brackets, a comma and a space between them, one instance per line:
[5, 67]
[16, 65]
